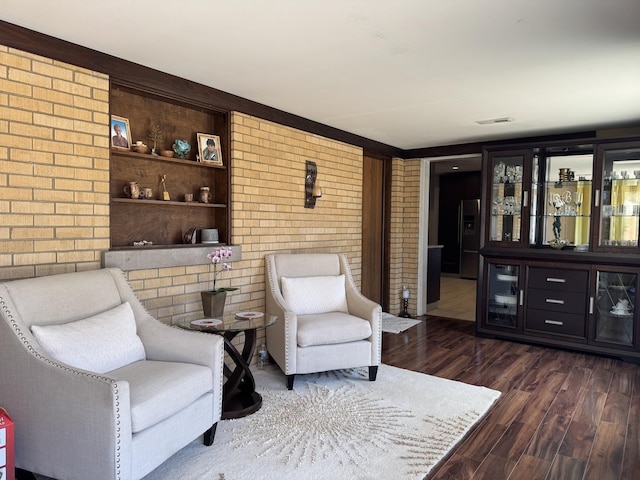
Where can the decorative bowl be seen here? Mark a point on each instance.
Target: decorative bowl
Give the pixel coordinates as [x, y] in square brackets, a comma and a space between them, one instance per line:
[167, 153]
[140, 148]
[558, 244]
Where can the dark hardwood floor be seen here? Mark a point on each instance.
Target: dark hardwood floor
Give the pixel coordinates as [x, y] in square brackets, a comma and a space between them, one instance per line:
[562, 414]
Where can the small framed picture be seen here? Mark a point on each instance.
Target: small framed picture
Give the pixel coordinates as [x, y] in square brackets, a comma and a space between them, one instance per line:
[120, 132]
[209, 148]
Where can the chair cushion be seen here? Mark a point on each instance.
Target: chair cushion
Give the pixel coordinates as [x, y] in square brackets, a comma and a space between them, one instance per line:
[310, 295]
[100, 343]
[331, 328]
[160, 389]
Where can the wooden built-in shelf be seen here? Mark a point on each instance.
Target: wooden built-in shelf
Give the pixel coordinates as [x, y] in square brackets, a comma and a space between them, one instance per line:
[148, 202]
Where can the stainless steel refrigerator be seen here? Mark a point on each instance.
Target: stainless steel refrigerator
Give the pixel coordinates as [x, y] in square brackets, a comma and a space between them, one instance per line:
[469, 234]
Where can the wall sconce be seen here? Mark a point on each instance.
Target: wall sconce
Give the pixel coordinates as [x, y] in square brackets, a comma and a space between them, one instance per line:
[405, 303]
[312, 188]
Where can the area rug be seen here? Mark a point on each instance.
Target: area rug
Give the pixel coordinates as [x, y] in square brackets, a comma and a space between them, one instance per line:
[393, 324]
[338, 425]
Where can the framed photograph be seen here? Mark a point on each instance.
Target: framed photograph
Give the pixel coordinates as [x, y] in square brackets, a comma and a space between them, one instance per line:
[120, 133]
[209, 148]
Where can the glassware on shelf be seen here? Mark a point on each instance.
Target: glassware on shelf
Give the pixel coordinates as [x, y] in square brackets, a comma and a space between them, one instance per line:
[620, 197]
[615, 307]
[566, 219]
[503, 295]
[577, 198]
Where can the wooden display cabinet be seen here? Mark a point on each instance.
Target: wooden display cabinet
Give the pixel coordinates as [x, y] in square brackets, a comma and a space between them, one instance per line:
[564, 219]
[165, 222]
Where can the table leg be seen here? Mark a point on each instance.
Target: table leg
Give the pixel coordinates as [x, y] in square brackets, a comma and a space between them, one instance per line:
[239, 397]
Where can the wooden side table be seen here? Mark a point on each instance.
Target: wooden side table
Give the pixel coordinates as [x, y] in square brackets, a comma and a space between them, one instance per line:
[239, 396]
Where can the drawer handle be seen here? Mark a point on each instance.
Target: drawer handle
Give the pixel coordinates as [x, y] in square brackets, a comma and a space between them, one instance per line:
[521, 297]
[554, 301]
[556, 280]
[554, 322]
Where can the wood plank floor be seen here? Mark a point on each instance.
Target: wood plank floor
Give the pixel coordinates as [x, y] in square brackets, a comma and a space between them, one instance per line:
[562, 415]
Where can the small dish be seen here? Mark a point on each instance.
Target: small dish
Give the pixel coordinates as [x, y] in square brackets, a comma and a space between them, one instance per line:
[506, 278]
[249, 315]
[619, 313]
[506, 299]
[167, 153]
[206, 322]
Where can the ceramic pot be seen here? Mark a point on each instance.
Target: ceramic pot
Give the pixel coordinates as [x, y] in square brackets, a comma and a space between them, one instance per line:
[213, 303]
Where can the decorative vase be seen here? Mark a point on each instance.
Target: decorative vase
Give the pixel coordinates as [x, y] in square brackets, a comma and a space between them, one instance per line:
[213, 303]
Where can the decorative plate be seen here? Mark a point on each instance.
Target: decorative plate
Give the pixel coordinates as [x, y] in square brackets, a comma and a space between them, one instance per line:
[206, 322]
[249, 315]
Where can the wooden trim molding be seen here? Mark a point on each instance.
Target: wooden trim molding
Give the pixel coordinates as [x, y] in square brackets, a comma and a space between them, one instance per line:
[126, 72]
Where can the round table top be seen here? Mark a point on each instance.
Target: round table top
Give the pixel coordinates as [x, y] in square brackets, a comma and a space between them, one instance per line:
[238, 322]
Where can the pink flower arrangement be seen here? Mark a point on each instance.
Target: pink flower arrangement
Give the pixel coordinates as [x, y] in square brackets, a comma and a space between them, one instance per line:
[218, 257]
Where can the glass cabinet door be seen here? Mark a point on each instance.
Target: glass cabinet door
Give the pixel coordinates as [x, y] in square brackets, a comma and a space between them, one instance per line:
[619, 197]
[504, 296]
[567, 214]
[509, 196]
[614, 310]
[561, 202]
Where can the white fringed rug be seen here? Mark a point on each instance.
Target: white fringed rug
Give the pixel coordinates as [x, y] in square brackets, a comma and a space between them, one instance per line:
[338, 425]
[393, 324]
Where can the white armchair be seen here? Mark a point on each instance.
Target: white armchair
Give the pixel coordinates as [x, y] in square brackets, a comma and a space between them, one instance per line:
[325, 322]
[118, 403]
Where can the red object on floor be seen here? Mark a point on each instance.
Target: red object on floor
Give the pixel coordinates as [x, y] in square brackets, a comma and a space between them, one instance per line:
[7, 465]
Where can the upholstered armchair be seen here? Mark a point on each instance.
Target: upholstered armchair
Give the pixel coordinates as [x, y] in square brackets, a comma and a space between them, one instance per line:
[98, 388]
[325, 322]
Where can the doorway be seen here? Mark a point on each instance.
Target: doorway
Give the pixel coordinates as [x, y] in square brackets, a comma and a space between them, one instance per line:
[451, 181]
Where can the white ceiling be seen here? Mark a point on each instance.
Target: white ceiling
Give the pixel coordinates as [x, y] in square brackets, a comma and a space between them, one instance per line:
[408, 73]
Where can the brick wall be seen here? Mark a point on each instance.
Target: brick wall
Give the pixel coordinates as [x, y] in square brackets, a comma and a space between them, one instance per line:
[268, 199]
[405, 207]
[54, 166]
[54, 183]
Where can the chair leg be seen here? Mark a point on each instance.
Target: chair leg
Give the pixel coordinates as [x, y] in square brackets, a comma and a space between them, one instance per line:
[24, 474]
[209, 435]
[373, 373]
[290, 382]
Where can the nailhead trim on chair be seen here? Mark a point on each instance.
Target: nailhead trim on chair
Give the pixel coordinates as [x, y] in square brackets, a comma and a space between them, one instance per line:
[286, 324]
[41, 357]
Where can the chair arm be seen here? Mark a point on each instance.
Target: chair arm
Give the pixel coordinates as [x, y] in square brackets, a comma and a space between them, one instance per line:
[93, 422]
[172, 344]
[361, 306]
[282, 336]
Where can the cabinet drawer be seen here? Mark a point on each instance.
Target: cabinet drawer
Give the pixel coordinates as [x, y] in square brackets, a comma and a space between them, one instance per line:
[558, 278]
[556, 323]
[557, 301]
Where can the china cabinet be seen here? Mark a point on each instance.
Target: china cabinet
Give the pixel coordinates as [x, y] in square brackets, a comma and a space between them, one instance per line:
[562, 223]
[166, 217]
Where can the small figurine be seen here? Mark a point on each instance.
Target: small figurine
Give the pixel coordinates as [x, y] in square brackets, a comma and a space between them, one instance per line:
[165, 193]
[155, 135]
